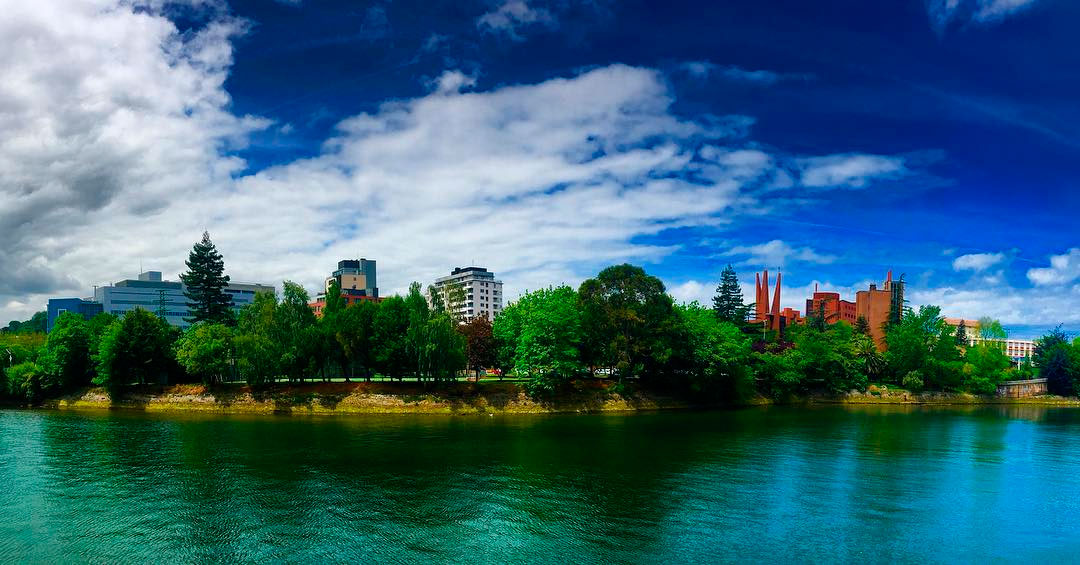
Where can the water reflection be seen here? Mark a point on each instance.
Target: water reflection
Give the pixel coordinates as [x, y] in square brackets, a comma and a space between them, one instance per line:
[868, 483]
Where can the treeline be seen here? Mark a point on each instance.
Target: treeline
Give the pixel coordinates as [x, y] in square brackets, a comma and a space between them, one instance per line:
[621, 325]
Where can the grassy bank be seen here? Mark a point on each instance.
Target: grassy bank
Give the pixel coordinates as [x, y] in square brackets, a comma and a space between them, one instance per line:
[363, 398]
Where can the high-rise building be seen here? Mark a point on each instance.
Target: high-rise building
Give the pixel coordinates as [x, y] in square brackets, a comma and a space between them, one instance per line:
[357, 280]
[164, 298]
[482, 293]
[875, 305]
[355, 277]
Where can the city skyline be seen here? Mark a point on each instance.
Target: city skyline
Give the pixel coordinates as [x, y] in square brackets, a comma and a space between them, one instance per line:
[546, 140]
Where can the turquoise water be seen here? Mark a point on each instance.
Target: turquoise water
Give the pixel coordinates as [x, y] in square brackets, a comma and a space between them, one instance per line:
[828, 484]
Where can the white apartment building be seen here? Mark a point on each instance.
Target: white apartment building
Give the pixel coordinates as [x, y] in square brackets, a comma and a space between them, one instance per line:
[483, 294]
[1019, 350]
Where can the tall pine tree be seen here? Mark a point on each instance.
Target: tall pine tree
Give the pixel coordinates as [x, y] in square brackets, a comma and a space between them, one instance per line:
[728, 302]
[205, 282]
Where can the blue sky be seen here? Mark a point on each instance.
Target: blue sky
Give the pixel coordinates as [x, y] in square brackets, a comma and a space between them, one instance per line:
[834, 140]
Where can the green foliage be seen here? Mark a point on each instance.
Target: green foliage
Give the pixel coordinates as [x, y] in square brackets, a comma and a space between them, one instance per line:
[985, 366]
[712, 360]
[335, 302]
[779, 373]
[862, 326]
[913, 381]
[296, 333]
[257, 344]
[67, 363]
[391, 326]
[728, 303]
[207, 351]
[136, 347]
[543, 329]
[356, 336]
[628, 320]
[1058, 362]
[37, 323]
[444, 348]
[205, 282]
[24, 381]
[991, 329]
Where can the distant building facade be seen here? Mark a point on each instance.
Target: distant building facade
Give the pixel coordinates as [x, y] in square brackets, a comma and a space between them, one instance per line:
[1019, 350]
[483, 293]
[357, 279]
[876, 305]
[164, 298]
[82, 306]
[834, 308]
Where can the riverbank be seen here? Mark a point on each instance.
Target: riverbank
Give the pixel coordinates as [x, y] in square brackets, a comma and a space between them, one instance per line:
[364, 398]
[464, 399]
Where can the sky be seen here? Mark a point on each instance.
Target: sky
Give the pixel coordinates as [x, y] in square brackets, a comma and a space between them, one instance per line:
[832, 140]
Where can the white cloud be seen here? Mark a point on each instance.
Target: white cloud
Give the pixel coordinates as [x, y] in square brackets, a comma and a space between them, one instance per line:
[118, 150]
[512, 16]
[703, 69]
[984, 12]
[1063, 269]
[109, 114]
[977, 262]
[452, 82]
[776, 253]
[851, 170]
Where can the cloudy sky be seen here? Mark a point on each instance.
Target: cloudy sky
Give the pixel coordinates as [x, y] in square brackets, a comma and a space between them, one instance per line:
[834, 140]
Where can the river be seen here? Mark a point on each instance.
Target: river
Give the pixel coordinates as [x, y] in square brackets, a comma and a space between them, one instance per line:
[878, 484]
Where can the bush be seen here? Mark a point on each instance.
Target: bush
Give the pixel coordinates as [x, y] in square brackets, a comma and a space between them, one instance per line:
[25, 380]
[913, 381]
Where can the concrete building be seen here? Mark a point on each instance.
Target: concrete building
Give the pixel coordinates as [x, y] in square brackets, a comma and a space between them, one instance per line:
[772, 316]
[876, 304]
[834, 308]
[355, 277]
[357, 280]
[483, 294]
[165, 298]
[1019, 350]
[84, 307]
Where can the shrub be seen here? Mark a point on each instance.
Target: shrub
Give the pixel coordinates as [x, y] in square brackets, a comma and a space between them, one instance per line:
[913, 381]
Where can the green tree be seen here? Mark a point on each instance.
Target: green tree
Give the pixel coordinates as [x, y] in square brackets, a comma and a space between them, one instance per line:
[416, 337]
[728, 303]
[437, 299]
[136, 347]
[985, 366]
[330, 328]
[1055, 359]
[206, 351]
[67, 362]
[391, 328]
[545, 330]
[356, 335]
[911, 339]
[712, 360]
[961, 334]
[257, 343]
[862, 326]
[479, 344]
[25, 381]
[296, 332]
[992, 330]
[628, 318]
[37, 323]
[445, 348]
[205, 282]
